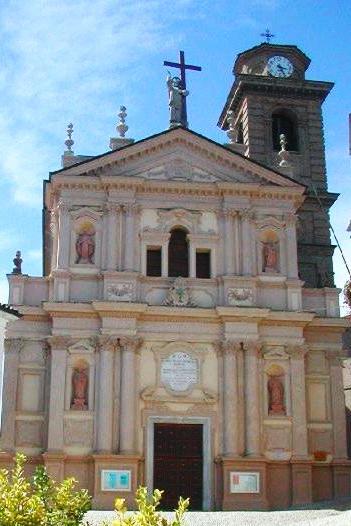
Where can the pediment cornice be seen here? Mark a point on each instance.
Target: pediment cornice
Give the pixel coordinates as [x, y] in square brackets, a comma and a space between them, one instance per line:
[177, 144]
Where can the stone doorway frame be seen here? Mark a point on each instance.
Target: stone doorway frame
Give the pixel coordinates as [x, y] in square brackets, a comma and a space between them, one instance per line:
[207, 465]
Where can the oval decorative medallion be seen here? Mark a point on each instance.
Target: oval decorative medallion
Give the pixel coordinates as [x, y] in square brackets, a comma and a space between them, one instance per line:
[179, 371]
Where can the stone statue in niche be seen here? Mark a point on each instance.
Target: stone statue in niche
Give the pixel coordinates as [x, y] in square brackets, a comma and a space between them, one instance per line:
[85, 246]
[80, 389]
[276, 396]
[270, 257]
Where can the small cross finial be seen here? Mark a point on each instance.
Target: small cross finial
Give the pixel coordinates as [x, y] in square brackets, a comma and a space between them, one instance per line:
[69, 142]
[268, 36]
[122, 127]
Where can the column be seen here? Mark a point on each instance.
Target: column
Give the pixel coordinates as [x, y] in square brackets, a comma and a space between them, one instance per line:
[120, 239]
[112, 236]
[136, 239]
[338, 405]
[59, 345]
[116, 398]
[228, 241]
[237, 245]
[12, 347]
[246, 242]
[230, 399]
[192, 258]
[127, 440]
[298, 402]
[54, 237]
[165, 257]
[129, 238]
[64, 236]
[252, 399]
[107, 347]
[291, 246]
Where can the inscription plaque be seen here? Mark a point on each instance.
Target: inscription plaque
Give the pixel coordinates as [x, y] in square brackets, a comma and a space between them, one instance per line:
[179, 371]
[244, 482]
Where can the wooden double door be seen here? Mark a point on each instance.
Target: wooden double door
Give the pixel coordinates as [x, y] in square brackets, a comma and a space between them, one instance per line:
[178, 463]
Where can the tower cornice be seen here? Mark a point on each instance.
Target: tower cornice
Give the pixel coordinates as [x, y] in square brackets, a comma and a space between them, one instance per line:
[245, 84]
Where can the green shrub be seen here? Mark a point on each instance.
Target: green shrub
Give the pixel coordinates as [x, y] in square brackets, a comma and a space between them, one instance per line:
[147, 514]
[39, 502]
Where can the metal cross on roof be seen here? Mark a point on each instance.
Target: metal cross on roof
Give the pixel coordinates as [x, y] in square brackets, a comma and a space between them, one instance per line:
[183, 67]
[268, 36]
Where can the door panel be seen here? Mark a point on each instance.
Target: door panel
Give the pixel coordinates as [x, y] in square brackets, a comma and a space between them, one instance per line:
[178, 463]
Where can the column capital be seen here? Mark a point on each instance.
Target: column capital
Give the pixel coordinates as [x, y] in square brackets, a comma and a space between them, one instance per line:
[290, 219]
[334, 358]
[59, 342]
[132, 208]
[297, 352]
[253, 347]
[227, 212]
[131, 343]
[62, 206]
[13, 345]
[113, 207]
[107, 343]
[246, 214]
[230, 346]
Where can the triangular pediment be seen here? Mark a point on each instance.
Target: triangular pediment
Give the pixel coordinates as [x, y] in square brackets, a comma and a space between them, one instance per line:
[179, 155]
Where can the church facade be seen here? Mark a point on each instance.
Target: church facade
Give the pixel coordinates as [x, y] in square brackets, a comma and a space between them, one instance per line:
[186, 332]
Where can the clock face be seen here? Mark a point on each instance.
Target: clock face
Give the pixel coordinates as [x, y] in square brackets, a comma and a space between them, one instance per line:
[280, 67]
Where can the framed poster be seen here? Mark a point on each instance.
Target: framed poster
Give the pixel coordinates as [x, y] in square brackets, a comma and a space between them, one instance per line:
[116, 480]
[244, 482]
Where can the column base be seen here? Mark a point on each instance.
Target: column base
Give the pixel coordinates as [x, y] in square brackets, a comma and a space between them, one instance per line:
[103, 498]
[301, 480]
[237, 498]
[55, 465]
[341, 477]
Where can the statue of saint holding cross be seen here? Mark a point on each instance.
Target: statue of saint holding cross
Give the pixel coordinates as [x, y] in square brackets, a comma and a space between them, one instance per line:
[177, 92]
[176, 101]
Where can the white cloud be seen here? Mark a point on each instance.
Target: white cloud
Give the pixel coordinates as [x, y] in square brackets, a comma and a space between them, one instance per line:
[60, 62]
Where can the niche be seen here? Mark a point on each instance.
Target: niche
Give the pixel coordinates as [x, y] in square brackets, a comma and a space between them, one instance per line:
[276, 391]
[80, 386]
[270, 251]
[85, 244]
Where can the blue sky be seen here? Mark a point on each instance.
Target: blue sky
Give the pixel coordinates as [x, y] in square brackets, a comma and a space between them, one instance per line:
[64, 61]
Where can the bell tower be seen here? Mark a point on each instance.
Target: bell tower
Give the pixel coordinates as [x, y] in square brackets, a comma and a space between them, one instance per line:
[270, 96]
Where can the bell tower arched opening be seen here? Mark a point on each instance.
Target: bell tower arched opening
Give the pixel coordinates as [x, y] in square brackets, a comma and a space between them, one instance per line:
[284, 122]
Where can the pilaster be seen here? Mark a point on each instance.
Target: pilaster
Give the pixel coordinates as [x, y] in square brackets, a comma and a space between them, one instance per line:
[63, 235]
[131, 210]
[246, 216]
[107, 345]
[230, 399]
[130, 347]
[114, 211]
[58, 359]
[338, 405]
[12, 350]
[252, 401]
[298, 397]
[228, 215]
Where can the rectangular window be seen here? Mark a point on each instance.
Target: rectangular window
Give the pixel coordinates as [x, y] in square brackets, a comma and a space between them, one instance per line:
[203, 264]
[153, 261]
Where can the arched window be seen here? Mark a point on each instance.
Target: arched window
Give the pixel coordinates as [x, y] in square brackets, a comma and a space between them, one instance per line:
[284, 121]
[178, 254]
